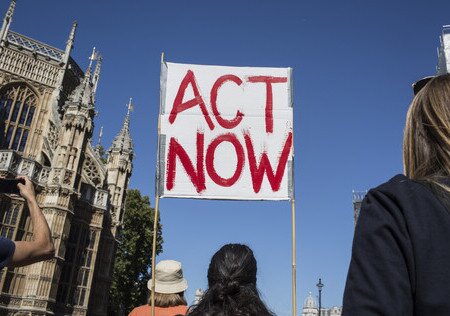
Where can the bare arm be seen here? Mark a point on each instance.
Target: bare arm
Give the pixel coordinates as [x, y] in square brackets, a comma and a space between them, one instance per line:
[41, 248]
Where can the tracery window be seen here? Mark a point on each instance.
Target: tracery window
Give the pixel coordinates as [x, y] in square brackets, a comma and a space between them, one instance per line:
[9, 221]
[15, 279]
[85, 270]
[73, 287]
[17, 106]
[91, 170]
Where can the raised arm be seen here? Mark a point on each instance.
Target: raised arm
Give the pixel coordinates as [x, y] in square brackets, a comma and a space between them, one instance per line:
[41, 248]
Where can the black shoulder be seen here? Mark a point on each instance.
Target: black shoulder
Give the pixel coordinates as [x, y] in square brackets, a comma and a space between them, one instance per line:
[401, 194]
[400, 186]
[387, 198]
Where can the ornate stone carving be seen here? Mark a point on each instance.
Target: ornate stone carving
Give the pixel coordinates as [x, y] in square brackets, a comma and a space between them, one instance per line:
[24, 65]
[43, 176]
[68, 177]
[5, 158]
[56, 176]
[52, 136]
[40, 304]
[26, 167]
[27, 303]
[15, 163]
[101, 199]
[91, 171]
[15, 301]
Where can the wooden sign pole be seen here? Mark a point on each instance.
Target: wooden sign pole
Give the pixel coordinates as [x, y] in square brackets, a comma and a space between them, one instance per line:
[294, 264]
[155, 233]
[155, 226]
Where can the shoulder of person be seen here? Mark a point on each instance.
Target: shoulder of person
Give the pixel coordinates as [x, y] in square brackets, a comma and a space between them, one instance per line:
[399, 186]
[140, 310]
[403, 194]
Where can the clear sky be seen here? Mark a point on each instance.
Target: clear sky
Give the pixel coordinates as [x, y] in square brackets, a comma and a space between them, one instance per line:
[354, 62]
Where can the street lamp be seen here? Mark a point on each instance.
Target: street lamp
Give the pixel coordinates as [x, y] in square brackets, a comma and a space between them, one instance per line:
[320, 286]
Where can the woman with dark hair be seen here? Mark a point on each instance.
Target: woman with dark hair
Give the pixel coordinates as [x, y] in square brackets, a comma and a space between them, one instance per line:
[232, 285]
[400, 258]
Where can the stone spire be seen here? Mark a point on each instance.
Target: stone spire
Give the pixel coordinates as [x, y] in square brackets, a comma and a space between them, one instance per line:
[96, 76]
[91, 59]
[100, 137]
[83, 93]
[70, 42]
[123, 141]
[99, 148]
[7, 21]
[118, 169]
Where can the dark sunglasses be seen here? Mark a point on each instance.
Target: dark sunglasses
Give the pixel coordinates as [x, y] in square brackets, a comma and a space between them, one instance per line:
[418, 85]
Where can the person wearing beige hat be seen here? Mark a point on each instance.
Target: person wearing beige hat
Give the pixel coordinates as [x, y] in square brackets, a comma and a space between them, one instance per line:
[169, 291]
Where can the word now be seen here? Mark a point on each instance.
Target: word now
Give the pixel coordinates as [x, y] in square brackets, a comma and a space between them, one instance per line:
[197, 175]
[189, 79]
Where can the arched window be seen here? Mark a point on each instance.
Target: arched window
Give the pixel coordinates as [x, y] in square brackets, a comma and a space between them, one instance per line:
[17, 106]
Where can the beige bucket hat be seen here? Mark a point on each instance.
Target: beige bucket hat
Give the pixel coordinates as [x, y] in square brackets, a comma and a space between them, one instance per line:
[169, 278]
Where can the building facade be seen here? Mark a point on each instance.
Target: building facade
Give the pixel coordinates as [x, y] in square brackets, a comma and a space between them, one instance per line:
[311, 308]
[47, 111]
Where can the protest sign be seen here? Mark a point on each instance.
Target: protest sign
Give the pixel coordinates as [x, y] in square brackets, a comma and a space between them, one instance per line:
[225, 133]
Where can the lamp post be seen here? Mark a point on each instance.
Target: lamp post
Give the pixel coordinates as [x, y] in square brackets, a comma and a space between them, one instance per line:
[320, 286]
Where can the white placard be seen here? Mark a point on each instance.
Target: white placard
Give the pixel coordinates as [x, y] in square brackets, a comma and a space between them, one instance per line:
[225, 133]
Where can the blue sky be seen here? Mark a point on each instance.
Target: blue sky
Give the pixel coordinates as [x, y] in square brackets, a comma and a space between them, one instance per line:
[354, 62]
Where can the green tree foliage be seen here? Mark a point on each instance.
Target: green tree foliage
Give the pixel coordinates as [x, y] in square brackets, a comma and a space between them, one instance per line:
[133, 258]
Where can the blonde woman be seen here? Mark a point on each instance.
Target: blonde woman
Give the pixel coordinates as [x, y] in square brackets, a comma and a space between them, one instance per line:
[401, 253]
[169, 291]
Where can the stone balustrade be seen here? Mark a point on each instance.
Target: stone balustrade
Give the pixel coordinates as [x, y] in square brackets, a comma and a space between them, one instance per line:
[94, 196]
[13, 164]
[101, 199]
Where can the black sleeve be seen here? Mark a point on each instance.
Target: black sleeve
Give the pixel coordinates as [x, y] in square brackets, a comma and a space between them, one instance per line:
[380, 278]
[7, 248]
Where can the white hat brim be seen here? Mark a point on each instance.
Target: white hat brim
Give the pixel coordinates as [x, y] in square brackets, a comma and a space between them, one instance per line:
[168, 287]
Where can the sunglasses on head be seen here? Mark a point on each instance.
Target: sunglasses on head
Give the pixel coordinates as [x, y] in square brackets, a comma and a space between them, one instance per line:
[418, 85]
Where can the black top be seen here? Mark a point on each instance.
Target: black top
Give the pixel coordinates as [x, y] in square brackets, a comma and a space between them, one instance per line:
[7, 248]
[401, 252]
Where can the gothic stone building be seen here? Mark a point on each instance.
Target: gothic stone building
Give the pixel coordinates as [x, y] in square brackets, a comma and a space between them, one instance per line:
[47, 110]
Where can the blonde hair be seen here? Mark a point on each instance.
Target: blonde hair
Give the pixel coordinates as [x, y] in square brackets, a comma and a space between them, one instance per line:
[426, 143]
[168, 300]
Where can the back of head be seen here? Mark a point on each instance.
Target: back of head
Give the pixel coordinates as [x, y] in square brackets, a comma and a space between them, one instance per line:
[232, 284]
[426, 144]
[169, 284]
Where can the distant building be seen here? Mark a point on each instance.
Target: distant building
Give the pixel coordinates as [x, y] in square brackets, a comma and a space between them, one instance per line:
[198, 296]
[444, 51]
[357, 200]
[311, 308]
[47, 112]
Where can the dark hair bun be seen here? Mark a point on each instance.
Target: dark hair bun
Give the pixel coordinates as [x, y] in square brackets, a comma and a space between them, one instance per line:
[225, 291]
[232, 287]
